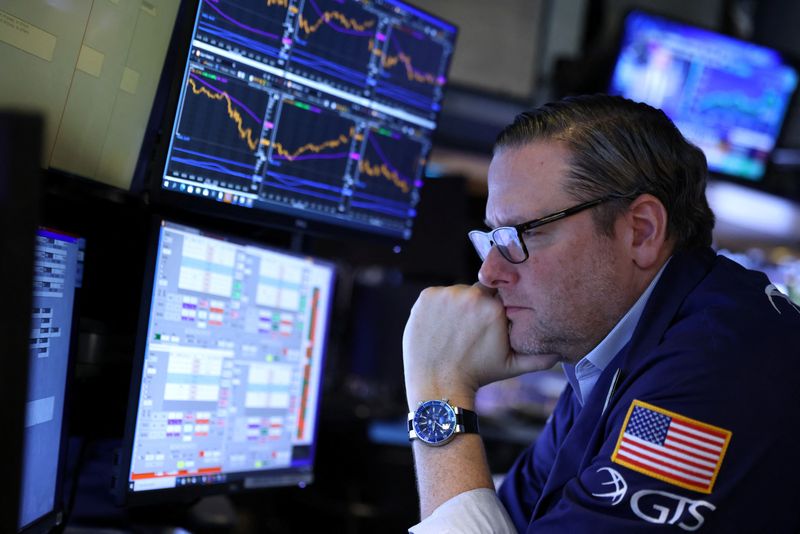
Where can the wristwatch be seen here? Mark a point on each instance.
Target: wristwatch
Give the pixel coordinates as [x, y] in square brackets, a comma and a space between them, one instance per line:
[436, 422]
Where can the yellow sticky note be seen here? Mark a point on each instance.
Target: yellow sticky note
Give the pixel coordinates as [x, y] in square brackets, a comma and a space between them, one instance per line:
[90, 61]
[27, 37]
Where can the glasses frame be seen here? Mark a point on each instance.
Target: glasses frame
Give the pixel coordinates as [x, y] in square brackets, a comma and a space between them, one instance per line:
[535, 223]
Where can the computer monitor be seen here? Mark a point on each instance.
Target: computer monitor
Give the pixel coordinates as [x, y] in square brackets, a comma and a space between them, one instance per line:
[314, 115]
[55, 278]
[20, 185]
[728, 96]
[226, 383]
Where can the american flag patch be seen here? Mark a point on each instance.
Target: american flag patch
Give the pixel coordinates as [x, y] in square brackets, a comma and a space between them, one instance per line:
[671, 447]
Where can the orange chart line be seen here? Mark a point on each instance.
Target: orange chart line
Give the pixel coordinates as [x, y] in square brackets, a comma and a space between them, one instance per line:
[245, 133]
[382, 170]
[316, 148]
[350, 24]
[388, 62]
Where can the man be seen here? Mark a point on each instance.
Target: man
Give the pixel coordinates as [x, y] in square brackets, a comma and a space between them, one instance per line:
[681, 409]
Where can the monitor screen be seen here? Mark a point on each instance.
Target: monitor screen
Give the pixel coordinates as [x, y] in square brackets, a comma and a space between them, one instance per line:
[727, 96]
[92, 69]
[316, 110]
[226, 391]
[55, 277]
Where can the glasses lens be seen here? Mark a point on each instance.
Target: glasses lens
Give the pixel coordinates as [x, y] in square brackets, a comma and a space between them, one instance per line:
[509, 245]
[482, 243]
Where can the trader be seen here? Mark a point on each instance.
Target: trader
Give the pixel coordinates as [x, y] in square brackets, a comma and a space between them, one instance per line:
[682, 408]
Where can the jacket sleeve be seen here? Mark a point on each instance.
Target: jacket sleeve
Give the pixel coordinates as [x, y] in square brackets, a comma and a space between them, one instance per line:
[473, 512]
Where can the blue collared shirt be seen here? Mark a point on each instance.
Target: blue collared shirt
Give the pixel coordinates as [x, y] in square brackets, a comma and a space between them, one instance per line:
[583, 375]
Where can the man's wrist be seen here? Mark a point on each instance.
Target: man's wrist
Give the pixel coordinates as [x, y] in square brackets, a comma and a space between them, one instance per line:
[454, 398]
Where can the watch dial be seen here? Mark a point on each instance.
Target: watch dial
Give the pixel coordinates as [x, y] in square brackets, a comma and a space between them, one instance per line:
[435, 422]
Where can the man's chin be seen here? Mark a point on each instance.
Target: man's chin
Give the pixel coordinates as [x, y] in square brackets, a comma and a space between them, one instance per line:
[547, 357]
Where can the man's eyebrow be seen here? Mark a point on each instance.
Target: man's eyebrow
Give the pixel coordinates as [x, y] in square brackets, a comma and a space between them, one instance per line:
[491, 226]
[501, 224]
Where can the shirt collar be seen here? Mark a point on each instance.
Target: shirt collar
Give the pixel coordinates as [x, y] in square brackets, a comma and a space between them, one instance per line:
[583, 375]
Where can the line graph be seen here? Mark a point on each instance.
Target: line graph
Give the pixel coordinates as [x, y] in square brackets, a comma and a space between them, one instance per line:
[313, 167]
[260, 20]
[389, 61]
[220, 127]
[384, 171]
[333, 19]
[388, 172]
[332, 39]
[753, 110]
[199, 87]
[411, 64]
[316, 149]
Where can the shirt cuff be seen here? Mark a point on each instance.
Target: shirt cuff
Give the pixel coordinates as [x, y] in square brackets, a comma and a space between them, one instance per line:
[477, 511]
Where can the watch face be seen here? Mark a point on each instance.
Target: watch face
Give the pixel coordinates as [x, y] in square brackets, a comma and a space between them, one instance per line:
[435, 422]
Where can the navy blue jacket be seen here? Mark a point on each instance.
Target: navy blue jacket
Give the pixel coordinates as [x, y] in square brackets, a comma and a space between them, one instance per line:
[701, 430]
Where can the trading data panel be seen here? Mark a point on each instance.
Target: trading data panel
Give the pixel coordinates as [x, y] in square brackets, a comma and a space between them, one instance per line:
[56, 275]
[232, 363]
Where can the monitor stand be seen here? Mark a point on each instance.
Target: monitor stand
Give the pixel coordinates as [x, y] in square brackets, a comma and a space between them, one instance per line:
[212, 514]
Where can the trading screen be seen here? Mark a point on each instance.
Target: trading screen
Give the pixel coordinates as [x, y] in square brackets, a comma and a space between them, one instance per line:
[232, 364]
[319, 108]
[727, 96]
[57, 262]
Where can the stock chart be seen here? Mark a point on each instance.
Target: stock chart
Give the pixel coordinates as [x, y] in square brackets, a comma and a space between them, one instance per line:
[321, 108]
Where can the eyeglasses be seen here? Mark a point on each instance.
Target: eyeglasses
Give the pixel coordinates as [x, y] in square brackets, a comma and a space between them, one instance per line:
[508, 239]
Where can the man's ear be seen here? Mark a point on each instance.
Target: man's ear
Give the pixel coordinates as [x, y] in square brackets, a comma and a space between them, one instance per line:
[646, 221]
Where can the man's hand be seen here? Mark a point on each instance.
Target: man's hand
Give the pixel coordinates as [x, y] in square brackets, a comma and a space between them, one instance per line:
[455, 341]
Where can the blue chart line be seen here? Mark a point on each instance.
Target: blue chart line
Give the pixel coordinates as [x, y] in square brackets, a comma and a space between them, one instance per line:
[216, 158]
[239, 24]
[738, 101]
[339, 46]
[290, 183]
[241, 40]
[336, 155]
[218, 164]
[382, 208]
[211, 167]
[371, 202]
[411, 98]
[328, 67]
[299, 185]
[288, 179]
[382, 200]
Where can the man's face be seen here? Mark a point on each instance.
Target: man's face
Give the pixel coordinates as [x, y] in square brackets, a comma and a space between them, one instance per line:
[572, 290]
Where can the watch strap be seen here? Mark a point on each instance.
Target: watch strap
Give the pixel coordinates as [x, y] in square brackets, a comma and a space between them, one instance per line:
[466, 421]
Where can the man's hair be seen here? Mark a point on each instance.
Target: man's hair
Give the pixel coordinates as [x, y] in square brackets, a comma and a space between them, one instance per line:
[618, 146]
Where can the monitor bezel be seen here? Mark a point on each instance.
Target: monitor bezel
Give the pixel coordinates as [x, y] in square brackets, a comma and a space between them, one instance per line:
[290, 220]
[188, 494]
[763, 183]
[21, 137]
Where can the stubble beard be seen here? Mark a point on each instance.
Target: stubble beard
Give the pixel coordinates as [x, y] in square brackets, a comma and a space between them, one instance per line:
[574, 333]
[535, 342]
